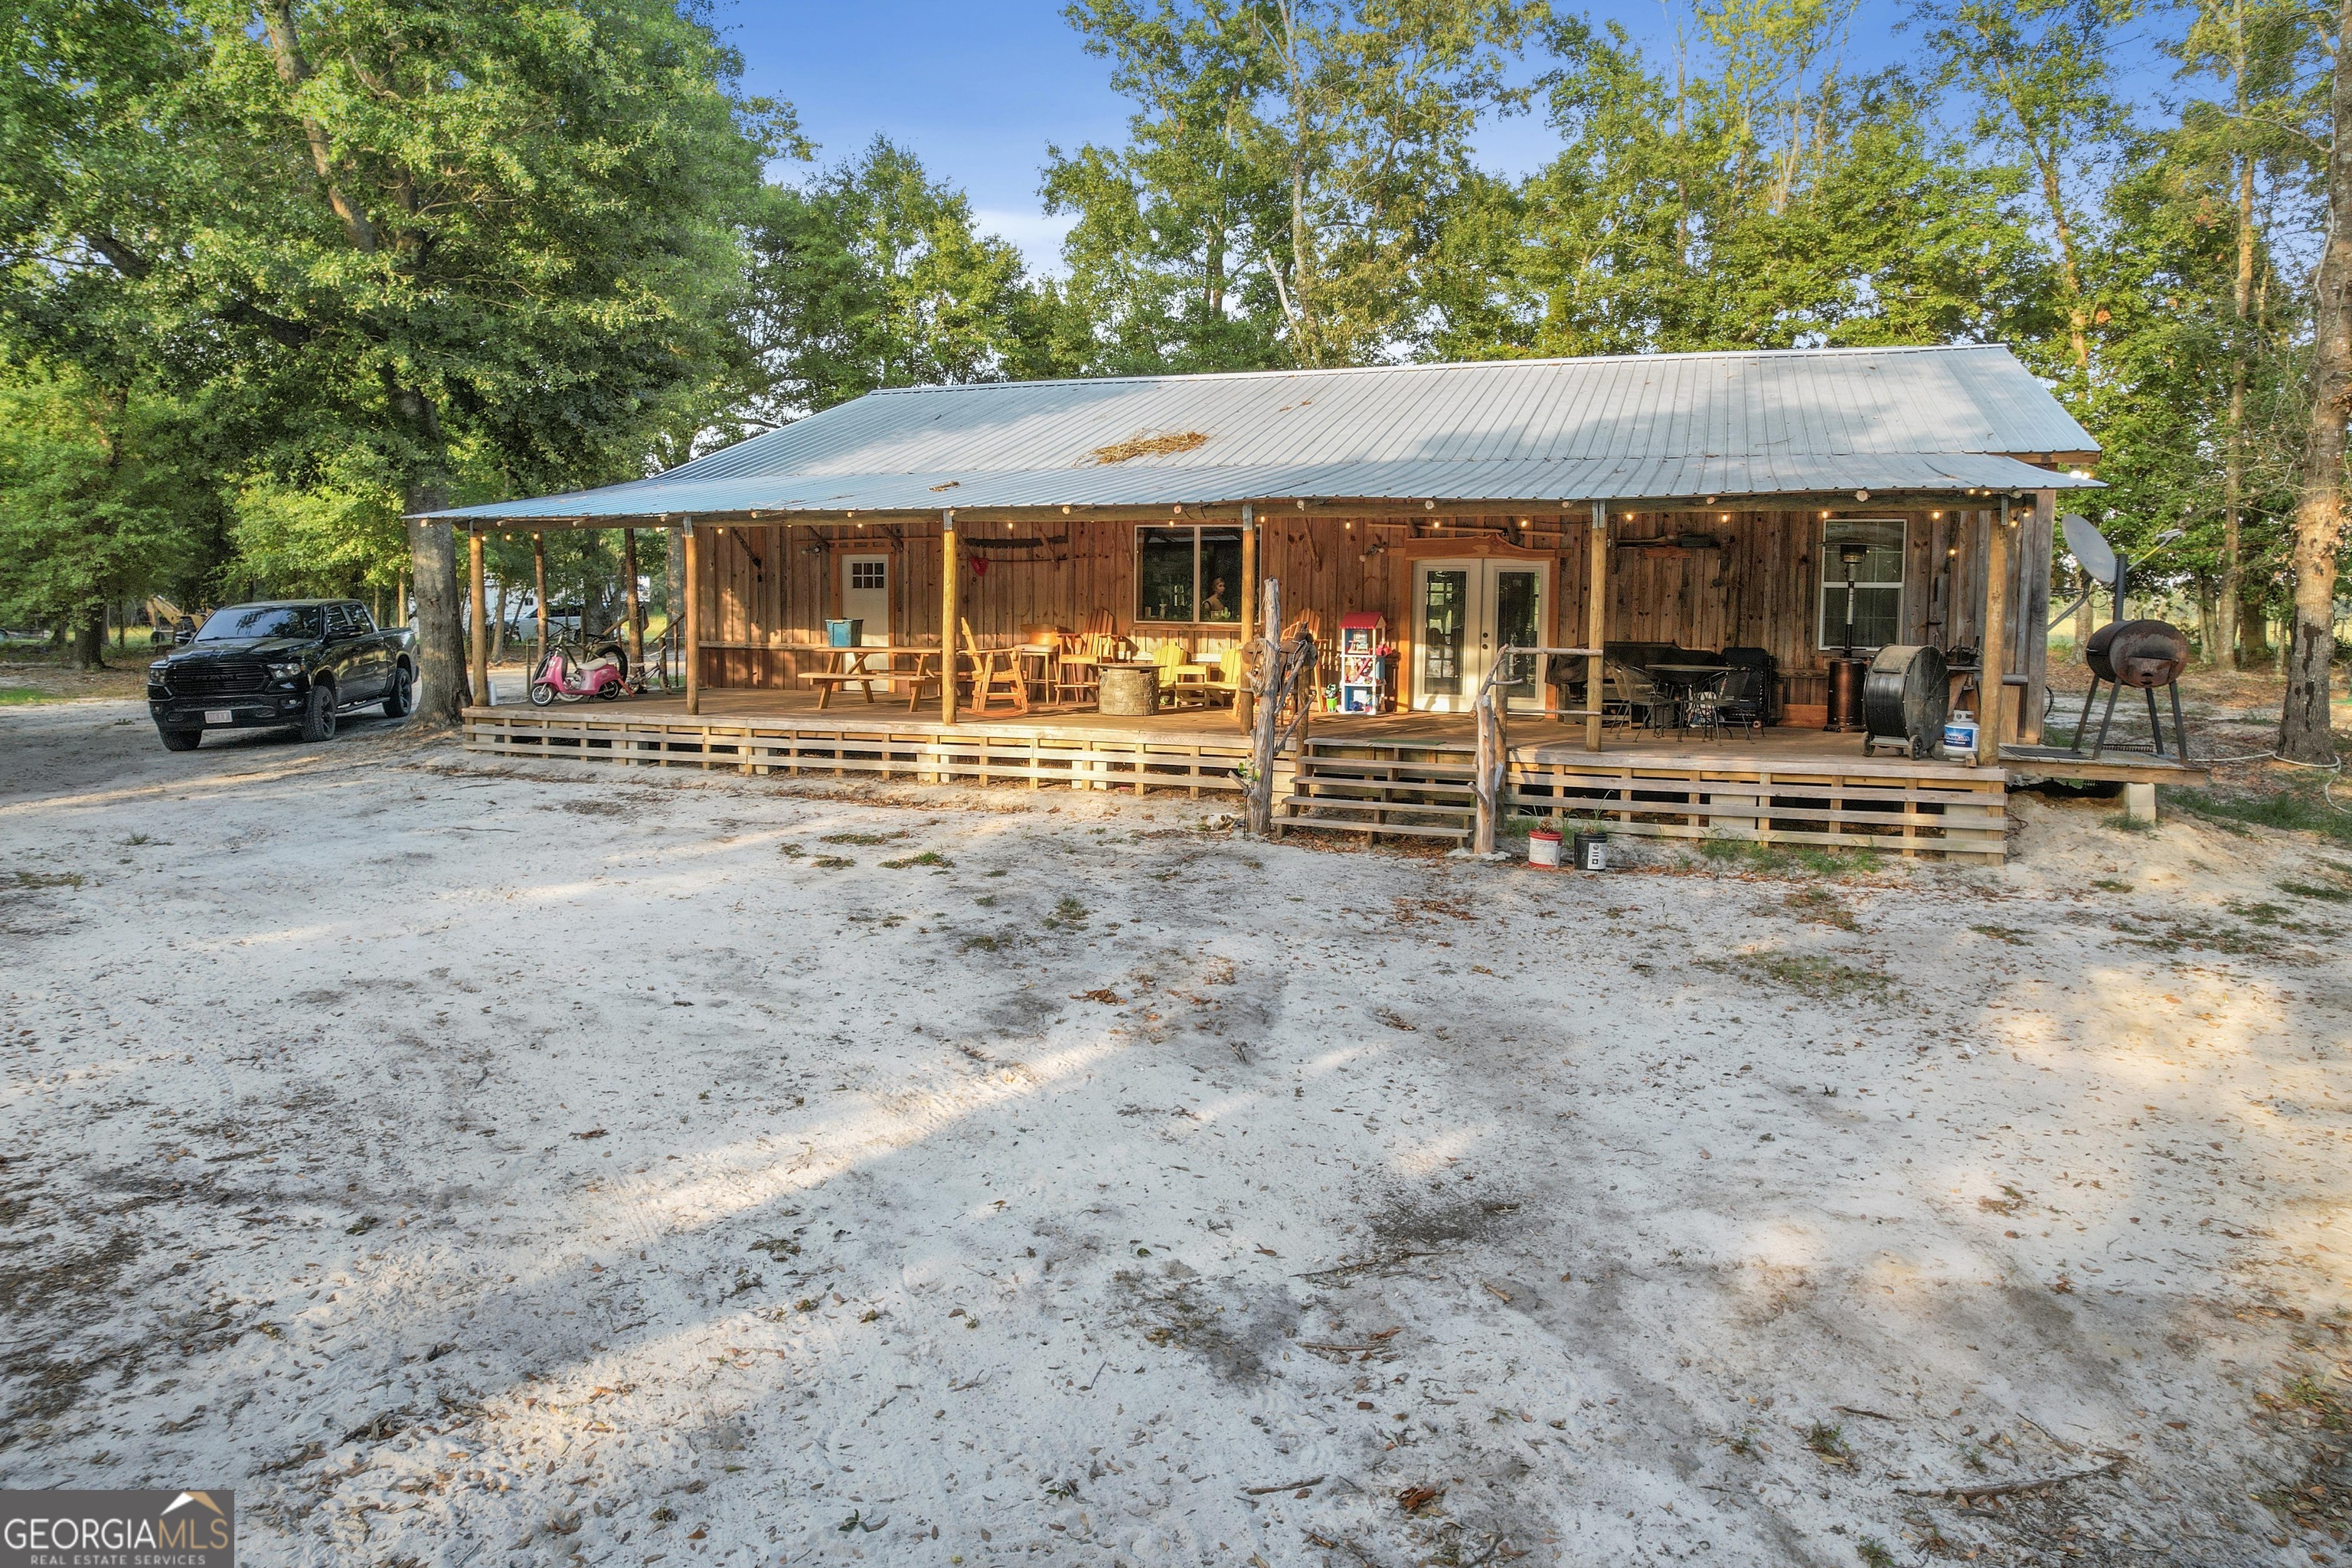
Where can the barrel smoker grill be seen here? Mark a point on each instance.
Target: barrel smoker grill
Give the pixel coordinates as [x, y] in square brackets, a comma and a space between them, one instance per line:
[2143, 653]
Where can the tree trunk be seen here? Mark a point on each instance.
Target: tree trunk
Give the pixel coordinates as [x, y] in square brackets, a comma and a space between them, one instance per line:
[2254, 628]
[90, 637]
[2233, 470]
[2304, 731]
[441, 695]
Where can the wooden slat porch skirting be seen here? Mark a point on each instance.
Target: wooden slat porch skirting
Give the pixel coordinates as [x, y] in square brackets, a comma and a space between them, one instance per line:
[1936, 809]
[1031, 754]
[1686, 792]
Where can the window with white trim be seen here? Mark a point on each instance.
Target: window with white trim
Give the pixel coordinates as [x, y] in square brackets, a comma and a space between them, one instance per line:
[1870, 552]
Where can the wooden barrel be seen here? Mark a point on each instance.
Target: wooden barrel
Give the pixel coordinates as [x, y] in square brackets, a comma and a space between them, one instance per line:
[1130, 690]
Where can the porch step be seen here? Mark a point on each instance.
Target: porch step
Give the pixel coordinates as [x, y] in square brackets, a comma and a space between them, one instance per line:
[1373, 788]
[1331, 824]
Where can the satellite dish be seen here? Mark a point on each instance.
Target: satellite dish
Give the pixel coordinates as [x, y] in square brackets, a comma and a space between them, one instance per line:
[2090, 547]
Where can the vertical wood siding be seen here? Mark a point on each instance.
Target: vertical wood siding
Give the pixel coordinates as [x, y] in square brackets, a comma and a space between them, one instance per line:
[768, 589]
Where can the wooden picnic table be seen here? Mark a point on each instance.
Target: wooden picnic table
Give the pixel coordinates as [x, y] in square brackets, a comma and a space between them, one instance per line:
[912, 667]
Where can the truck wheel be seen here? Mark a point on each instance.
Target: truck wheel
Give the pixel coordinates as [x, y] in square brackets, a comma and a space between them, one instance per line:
[180, 740]
[400, 696]
[319, 713]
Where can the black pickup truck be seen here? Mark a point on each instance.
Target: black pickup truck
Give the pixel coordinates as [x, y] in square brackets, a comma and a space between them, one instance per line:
[293, 663]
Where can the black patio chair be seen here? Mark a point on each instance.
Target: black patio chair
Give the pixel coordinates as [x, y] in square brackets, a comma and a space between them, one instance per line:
[1749, 691]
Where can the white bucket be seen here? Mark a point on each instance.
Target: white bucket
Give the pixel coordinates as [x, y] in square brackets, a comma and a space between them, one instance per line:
[1960, 735]
[1543, 848]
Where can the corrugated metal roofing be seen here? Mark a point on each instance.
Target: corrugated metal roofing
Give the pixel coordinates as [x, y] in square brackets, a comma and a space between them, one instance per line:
[1645, 427]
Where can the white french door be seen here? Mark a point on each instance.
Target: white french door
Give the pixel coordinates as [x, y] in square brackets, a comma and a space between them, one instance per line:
[1463, 612]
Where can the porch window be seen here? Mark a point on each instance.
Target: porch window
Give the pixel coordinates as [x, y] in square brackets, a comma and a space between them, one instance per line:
[1188, 575]
[1877, 580]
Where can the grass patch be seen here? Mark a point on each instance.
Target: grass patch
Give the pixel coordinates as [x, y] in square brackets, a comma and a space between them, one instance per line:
[2010, 935]
[986, 943]
[1822, 906]
[1828, 1441]
[21, 696]
[2307, 890]
[832, 862]
[2109, 885]
[1068, 912]
[2264, 913]
[927, 858]
[2295, 807]
[866, 839]
[1807, 974]
[2168, 934]
[2123, 822]
[49, 879]
[1787, 859]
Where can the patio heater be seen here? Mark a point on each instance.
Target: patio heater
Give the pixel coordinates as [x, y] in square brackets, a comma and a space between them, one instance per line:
[1846, 671]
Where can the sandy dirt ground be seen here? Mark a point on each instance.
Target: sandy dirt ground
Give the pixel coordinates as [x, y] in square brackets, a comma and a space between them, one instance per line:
[469, 1164]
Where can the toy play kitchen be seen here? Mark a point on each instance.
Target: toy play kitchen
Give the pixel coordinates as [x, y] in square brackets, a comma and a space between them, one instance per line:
[1365, 659]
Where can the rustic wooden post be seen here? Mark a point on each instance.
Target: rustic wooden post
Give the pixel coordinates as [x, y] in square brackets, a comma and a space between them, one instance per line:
[1243, 701]
[1596, 618]
[636, 627]
[539, 586]
[1266, 723]
[690, 650]
[948, 611]
[481, 611]
[1483, 790]
[1992, 702]
[2033, 612]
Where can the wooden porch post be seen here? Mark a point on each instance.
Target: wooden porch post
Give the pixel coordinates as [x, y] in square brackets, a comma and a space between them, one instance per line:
[948, 587]
[637, 629]
[481, 611]
[1992, 702]
[690, 651]
[1596, 618]
[1241, 700]
[539, 588]
[2034, 548]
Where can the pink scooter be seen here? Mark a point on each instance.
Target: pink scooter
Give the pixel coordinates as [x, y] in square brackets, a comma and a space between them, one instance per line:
[561, 674]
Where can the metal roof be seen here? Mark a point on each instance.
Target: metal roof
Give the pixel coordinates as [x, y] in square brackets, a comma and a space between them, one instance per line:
[1636, 428]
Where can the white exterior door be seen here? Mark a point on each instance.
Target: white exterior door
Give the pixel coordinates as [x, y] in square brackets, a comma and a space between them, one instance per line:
[865, 595]
[1463, 612]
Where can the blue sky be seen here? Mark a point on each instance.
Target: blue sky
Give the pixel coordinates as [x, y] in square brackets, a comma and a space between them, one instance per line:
[978, 89]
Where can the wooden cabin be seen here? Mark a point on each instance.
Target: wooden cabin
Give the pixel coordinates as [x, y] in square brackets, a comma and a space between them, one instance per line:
[1706, 502]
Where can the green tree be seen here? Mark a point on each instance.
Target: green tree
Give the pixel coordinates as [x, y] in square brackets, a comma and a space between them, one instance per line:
[2044, 83]
[490, 247]
[101, 499]
[1292, 170]
[2258, 135]
[2306, 729]
[1753, 198]
[872, 276]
